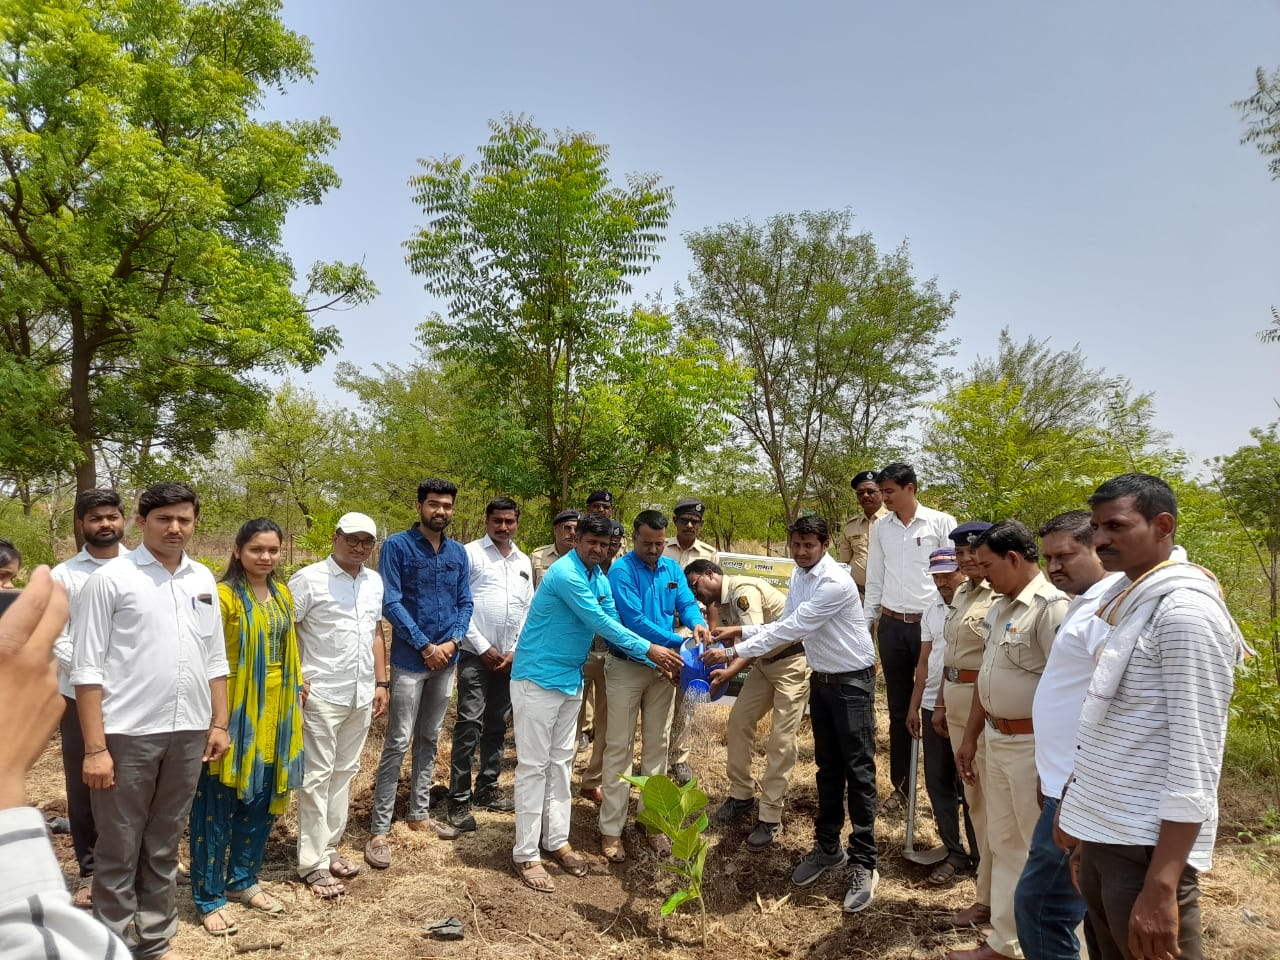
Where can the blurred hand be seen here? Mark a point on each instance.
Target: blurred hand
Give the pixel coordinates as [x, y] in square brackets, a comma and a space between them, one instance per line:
[913, 723]
[216, 745]
[306, 691]
[940, 723]
[726, 634]
[491, 659]
[667, 661]
[30, 705]
[507, 660]
[702, 634]
[714, 656]
[381, 698]
[964, 761]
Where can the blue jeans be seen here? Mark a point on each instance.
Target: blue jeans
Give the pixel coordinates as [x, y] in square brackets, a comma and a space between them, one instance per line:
[1046, 905]
[418, 703]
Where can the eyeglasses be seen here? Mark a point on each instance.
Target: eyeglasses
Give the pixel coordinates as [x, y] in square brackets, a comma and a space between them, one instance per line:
[358, 543]
[693, 584]
[690, 520]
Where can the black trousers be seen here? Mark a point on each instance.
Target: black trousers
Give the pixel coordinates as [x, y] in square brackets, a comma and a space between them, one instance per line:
[84, 833]
[1111, 877]
[946, 795]
[844, 747]
[899, 651]
[483, 714]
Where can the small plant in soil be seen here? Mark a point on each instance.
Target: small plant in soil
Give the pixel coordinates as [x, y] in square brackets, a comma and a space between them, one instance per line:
[667, 810]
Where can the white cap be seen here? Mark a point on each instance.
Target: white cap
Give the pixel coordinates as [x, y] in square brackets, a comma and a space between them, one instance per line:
[357, 523]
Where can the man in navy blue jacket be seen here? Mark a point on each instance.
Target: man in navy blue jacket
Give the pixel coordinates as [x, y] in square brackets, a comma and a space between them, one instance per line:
[427, 598]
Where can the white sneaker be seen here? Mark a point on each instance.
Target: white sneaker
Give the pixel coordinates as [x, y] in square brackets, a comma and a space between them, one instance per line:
[862, 888]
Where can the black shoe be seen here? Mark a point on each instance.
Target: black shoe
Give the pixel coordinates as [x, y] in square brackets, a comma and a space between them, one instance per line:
[681, 773]
[460, 817]
[732, 809]
[763, 835]
[439, 793]
[494, 801]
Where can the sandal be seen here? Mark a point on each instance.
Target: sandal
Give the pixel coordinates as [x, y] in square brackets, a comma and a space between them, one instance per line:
[226, 927]
[611, 848]
[269, 904]
[569, 860]
[659, 844]
[943, 873]
[892, 804]
[534, 876]
[324, 885]
[342, 868]
[82, 898]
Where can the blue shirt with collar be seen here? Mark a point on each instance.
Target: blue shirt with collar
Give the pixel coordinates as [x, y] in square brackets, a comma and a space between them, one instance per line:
[571, 605]
[426, 595]
[648, 600]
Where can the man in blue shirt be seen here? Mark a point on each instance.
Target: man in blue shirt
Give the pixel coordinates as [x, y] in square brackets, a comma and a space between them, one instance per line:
[427, 598]
[649, 589]
[573, 603]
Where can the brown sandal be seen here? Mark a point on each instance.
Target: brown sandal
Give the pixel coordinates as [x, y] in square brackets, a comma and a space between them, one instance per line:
[534, 876]
[611, 848]
[569, 860]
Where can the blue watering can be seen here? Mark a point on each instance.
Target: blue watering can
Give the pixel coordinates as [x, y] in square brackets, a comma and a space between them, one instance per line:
[695, 678]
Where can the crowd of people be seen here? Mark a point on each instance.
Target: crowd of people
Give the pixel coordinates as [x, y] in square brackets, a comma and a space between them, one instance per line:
[1069, 695]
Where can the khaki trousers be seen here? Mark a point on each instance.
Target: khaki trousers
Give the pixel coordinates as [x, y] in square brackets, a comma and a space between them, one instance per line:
[1012, 813]
[634, 690]
[783, 687]
[594, 715]
[958, 698]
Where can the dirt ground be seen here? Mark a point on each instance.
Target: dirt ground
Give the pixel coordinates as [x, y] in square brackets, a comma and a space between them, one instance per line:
[753, 909]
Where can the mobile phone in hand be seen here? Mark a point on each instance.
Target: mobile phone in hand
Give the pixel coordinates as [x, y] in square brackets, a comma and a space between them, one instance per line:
[7, 597]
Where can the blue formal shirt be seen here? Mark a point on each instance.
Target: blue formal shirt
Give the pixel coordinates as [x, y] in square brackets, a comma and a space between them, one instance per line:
[648, 600]
[572, 604]
[426, 595]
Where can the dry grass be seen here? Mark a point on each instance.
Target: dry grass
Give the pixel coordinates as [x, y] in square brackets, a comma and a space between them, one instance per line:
[754, 910]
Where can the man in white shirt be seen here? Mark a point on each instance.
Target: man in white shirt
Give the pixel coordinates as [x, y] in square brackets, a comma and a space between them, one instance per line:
[502, 589]
[1141, 808]
[899, 591]
[337, 607]
[100, 524]
[823, 611]
[1047, 906]
[150, 670]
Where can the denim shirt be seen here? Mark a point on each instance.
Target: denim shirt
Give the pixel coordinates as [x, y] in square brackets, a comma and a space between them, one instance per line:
[426, 595]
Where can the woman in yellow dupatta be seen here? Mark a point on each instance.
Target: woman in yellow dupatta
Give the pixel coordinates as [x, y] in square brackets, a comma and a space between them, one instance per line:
[239, 796]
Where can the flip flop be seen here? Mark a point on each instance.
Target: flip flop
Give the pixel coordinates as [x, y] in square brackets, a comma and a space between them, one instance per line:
[227, 928]
[534, 876]
[569, 860]
[612, 849]
[324, 885]
[83, 896]
[342, 868]
[272, 907]
[943, 873]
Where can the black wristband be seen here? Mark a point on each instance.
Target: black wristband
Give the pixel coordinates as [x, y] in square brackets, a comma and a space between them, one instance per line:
[384, 684]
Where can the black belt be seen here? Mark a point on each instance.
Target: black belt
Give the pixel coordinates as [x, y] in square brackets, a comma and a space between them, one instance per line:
[623, 656]
[843, 679]
[785, 652]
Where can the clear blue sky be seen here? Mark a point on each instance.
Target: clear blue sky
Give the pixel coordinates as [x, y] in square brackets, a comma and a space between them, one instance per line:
[1072, 170]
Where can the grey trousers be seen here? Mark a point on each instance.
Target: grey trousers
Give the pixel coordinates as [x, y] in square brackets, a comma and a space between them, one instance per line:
[418, 705]
[140, 822]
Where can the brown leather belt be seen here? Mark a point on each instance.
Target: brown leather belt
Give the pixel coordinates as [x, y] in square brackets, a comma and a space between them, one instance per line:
[956, 675]
[1010, 728]
[785, 652]
[904, 617]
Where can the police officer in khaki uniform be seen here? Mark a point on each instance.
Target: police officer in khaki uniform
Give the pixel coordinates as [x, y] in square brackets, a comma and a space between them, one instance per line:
[684, 548]
[1021, 625]
[854, 537]
[965, 631]
[593, 716]
[563, 528]
[778, 682]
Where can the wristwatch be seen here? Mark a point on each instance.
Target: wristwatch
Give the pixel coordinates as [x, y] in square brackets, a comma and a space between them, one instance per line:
[384, 684]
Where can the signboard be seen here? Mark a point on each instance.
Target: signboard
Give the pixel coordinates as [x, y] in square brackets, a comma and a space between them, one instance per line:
[776, 571]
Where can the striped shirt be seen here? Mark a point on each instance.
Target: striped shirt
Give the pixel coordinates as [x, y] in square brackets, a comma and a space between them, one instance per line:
[1158, 754]
[36, 916]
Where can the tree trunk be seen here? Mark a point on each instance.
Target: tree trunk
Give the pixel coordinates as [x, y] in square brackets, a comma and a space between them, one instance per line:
[82, 406]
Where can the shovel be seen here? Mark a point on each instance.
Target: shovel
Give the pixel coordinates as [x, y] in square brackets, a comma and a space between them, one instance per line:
[926, 858]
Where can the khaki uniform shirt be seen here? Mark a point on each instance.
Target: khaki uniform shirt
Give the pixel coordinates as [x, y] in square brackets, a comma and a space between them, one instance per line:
[1020, 634]
[542, 559]
[699, 551]
[852, 548]
[749, 602]
[965, 629]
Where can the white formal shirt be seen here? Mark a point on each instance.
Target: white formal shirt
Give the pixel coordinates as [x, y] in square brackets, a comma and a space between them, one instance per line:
[336, 616]
[931, 625]
[502, 589]
[153, 640]
[824, 611]
[1055, 712]
[898, 560]
[72, 574]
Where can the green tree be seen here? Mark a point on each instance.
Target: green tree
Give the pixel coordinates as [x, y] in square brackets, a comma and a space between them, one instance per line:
[1261, 111]
[842, 339]
[533, 247]
[142, 277]
[1032, 431]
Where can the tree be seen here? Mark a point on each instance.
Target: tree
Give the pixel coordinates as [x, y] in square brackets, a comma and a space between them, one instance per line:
[842, 340]
[1261, 111]
[142, 278]
[532, 247]
[1031, 432]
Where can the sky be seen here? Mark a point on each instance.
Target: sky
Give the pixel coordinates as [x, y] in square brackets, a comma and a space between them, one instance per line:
[1074, 171]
